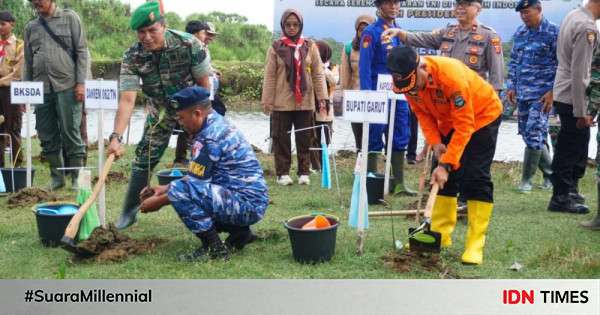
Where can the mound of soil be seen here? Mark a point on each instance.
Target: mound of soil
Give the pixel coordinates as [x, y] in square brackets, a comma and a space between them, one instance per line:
[29, 197]
[109, 245]
[408, 260]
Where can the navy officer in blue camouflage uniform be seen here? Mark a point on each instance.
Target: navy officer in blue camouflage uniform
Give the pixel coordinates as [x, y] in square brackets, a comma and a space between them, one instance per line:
[224, 190]
[531, 73]
[373, 56]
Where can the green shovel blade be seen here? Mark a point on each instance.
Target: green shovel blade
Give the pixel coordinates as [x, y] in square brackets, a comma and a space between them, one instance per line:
[424, 238]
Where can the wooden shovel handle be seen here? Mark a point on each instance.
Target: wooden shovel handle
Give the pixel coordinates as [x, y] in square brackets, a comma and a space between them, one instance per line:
[426, 169]
[431, 200]
[73, 226]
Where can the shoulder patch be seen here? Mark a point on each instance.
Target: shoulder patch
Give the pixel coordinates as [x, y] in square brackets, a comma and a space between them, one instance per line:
[497, 43]
[367, 39]
[591, 37]
[458, 100]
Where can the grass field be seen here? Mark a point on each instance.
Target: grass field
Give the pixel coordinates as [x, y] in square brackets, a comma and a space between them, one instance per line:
[548, 245]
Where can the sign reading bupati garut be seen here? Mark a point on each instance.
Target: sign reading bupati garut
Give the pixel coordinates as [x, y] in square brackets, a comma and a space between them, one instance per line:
[365, 106]
[335, 18]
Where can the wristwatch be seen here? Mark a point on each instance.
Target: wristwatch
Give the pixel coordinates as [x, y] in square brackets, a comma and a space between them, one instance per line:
[115, 135]
[446, 166]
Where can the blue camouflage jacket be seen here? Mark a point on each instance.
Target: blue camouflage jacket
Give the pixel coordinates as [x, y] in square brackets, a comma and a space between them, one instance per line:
[222, 156]
[533, 61]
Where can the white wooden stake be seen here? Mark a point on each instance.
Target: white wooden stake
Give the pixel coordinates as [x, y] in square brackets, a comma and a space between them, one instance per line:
[28, 135]
[389, 143]
[362, 200]
[102, 197]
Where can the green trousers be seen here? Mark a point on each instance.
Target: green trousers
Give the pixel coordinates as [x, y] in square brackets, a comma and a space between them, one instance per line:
[158, 128]
[57, 122]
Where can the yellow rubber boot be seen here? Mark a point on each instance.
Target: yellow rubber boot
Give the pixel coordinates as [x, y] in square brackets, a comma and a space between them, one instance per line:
[479, 214]
[443, 218]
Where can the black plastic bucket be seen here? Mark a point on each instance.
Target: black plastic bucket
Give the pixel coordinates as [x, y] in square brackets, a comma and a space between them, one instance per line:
[312, 246]
[164, 176]
[20, 178]
[51, 228]
[375, 188]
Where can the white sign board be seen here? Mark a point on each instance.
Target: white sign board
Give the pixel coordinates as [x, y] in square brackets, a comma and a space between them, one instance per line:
[101, 94]
[385, 82]
[26, 92]
[365, 106]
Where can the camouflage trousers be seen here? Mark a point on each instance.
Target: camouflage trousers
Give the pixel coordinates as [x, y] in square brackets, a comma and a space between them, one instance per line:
[199, 204]
[533, 124]
[157, 132]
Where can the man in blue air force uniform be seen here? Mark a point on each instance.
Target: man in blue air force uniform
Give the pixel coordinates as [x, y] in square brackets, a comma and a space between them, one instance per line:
[224, 191]
[372, 62]
[531, 72]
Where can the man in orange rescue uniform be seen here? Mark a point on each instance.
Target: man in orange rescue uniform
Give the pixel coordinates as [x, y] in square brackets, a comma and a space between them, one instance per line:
[459, 113]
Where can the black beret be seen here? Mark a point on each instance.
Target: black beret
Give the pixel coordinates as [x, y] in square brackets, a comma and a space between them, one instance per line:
[191, 96]
[6, 16]
[524, 4]
[402, 63]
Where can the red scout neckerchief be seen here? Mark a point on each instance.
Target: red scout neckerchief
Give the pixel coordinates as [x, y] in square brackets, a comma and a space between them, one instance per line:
[3, 43]
[297, 65]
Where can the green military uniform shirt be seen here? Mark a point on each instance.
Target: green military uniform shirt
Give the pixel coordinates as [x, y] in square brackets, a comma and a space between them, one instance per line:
[178, 65]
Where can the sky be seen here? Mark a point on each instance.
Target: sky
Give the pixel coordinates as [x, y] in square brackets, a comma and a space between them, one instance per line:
[257, 11]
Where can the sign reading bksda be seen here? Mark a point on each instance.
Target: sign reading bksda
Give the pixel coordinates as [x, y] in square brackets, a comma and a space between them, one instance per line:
[26, 92]
[365, 106]
[101, 94]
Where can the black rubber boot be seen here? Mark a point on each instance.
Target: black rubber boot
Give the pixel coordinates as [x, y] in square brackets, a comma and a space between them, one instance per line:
[212, 248]
[545, 166]
[531, 159]
[58, 177]
[575, 195]
[137, 182]
[372, 161]
[239, 236]
[75, 162]
[397, 186]
[594, 224]
[564, 203]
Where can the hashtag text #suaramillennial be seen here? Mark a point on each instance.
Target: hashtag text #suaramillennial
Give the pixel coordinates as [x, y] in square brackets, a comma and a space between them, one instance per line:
[89, 296]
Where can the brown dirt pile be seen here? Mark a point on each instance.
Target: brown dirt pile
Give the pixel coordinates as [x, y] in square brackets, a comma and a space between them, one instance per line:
[408, 261]
[29, 197]
[109, 245]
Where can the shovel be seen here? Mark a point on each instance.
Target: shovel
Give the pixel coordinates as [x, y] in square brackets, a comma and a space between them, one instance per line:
[68, 240]
[423, 239]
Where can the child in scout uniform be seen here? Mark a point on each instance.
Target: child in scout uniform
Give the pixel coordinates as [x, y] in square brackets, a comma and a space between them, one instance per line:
[224, 190]
[459, 113]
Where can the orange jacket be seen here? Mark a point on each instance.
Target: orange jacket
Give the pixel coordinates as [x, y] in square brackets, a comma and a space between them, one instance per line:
[454, 98]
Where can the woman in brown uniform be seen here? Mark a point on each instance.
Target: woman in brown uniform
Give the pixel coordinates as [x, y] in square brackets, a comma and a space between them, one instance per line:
[293, 76]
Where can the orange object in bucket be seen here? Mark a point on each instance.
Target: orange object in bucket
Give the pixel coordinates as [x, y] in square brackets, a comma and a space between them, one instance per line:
[319, 222]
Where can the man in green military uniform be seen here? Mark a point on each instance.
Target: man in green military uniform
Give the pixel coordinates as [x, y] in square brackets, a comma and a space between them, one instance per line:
[165, 61]
[593, 93]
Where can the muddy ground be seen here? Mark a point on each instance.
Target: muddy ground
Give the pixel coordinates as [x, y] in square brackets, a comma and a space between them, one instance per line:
[407, 261]
[109, 245]
[29, 197]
